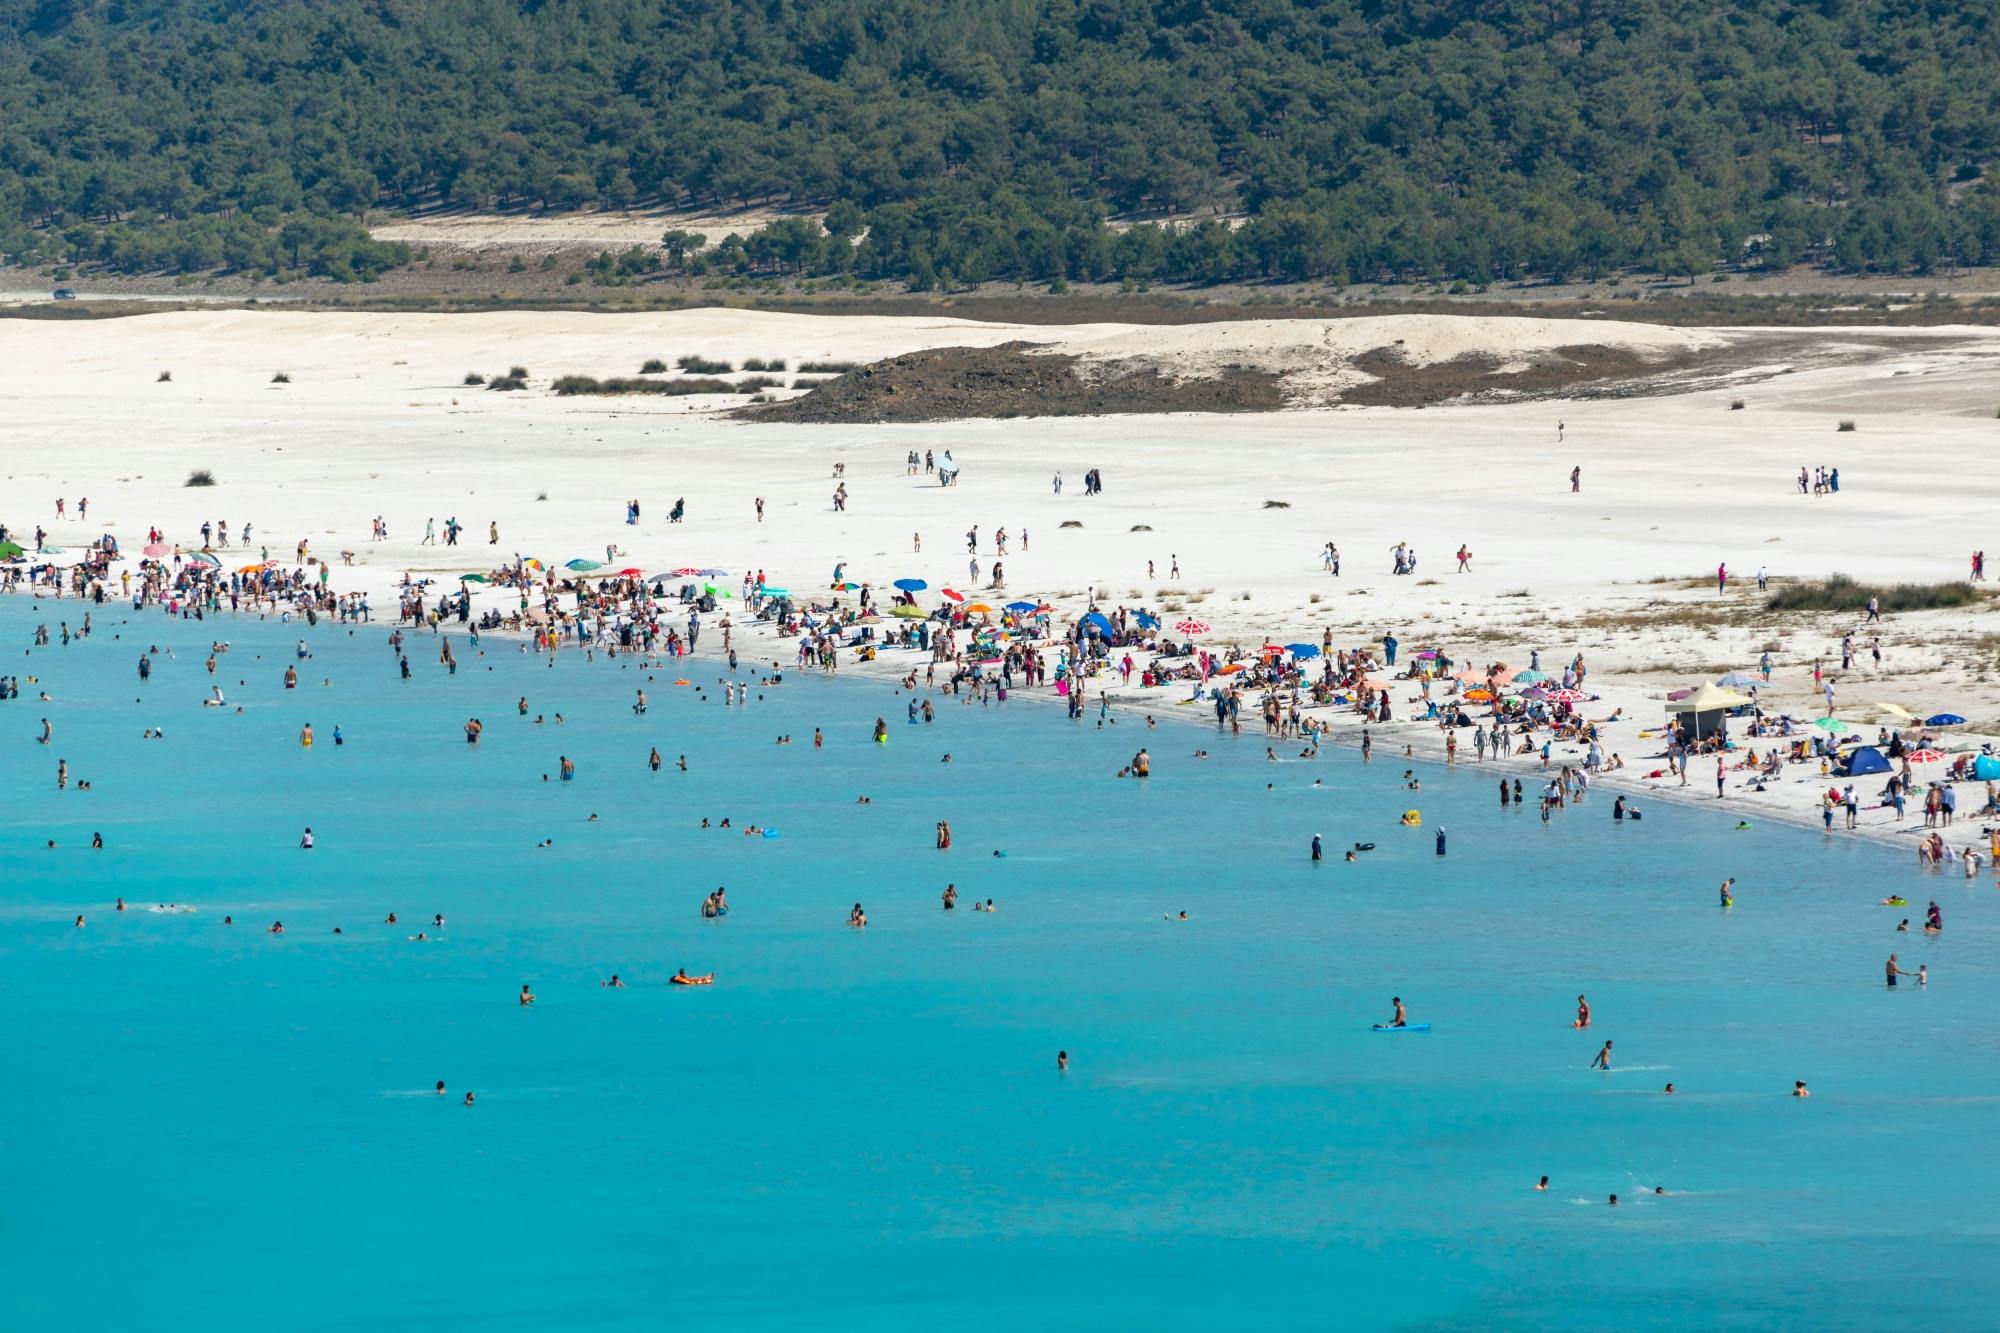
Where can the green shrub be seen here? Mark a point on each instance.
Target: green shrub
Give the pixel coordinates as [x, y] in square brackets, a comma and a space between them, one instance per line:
[281, 378]
[653, 366]
[571, 385]
[201, 476]
[1845, 425]
[701, 365]
[1841, 593]
[474, 377]
[764, 363]
[825, 367]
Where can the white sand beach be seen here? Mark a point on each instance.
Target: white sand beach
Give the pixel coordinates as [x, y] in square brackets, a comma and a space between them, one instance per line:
[376, 421]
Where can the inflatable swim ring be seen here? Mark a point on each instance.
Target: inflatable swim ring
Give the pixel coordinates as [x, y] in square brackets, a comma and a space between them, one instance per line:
[1412, 819]
[1364, 846]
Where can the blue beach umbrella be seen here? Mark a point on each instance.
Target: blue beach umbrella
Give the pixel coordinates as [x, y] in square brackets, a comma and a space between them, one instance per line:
[1147, 620]
[1020, 608]
[1302, 649]
[1943, 720]
[769, 591]
[911, 585]
[584, 566]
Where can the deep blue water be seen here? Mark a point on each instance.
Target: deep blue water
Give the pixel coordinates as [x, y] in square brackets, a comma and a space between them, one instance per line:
[213, 1127]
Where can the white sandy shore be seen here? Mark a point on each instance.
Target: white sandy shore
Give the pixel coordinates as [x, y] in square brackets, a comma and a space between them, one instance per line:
[376, 421]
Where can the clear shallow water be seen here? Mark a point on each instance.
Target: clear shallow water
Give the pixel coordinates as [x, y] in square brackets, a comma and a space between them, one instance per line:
[214, 1127]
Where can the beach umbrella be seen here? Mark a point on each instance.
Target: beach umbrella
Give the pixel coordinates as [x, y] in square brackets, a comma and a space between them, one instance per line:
[251, 569]
[1986, 767]
[977, 609]
[847, 587]
[907, 612]
[687, 572]
[1426, 652]
[473, 578]
[203, 558]
[1147, 620]
[954, 596]
[1478, 696]
[631, 572]
[1675, 696]
[10, 550]
[713, 573]
[1566, 696]
[769, 591]
[1191, 627]
[158, 549]
[1302, 649]
[1832, 724]
[1530, 677]
[1739, 678]
[1943, 720]
[1231, 669]
[1021, 608]
[1925, 756]
[584, 566]
[910, 585]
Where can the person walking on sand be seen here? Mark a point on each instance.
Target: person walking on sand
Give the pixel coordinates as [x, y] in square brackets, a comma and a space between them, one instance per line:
[1575, 480]
[1722, 577]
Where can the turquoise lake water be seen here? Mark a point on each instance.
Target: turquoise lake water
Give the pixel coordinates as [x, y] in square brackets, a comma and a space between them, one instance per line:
[213, 1127]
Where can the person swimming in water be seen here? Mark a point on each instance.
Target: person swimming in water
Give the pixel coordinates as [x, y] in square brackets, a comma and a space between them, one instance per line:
[1603, 1060]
